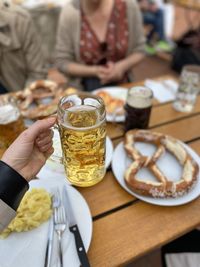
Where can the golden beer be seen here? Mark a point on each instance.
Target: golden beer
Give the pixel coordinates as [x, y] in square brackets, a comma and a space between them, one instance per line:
[11, 124]
[83, 136]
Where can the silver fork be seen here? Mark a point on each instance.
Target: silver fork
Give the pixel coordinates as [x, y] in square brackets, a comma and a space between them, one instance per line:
[60, 224]
[55, 205]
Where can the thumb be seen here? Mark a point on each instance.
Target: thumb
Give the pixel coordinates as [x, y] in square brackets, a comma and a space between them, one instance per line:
[38, 127]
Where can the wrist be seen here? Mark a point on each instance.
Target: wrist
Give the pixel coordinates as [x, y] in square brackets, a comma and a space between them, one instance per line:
[122, 67]
[12, 165]
[12, 185]
[95, 71]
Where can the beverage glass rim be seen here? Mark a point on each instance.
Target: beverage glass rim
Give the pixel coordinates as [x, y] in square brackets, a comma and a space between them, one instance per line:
[84, 95]
[141, 95]
[192, 68]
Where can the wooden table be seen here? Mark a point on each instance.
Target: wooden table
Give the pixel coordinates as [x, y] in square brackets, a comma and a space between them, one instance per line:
[125, 228]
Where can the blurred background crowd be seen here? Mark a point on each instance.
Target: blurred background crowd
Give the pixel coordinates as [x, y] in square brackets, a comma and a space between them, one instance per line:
[90, 43]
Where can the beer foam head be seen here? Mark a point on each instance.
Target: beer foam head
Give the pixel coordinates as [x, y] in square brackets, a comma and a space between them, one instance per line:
[8, 114]
[139, 97]
[82, 117]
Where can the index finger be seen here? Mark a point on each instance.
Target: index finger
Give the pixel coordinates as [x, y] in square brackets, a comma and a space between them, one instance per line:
[38, 127]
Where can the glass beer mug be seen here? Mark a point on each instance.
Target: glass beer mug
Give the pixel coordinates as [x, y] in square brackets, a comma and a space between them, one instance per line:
[11, 122]
[82, 128]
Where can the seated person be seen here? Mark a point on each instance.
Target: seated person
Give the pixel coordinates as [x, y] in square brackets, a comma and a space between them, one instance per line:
[153, 16]
[99, 42]
[187, 51]
[21, 56]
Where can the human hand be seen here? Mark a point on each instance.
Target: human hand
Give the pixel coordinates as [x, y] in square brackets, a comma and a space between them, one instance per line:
[115, 72]
[29, 152]
[101, 72]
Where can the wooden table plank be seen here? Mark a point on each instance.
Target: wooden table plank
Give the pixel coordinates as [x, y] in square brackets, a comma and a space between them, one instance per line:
[137, 229]
[185, 130]
[106, 195]
[165, 113]
[196, 146]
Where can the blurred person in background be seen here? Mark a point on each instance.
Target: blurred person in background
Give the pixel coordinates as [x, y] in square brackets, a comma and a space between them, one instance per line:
[99, 42]
[21, 57]
[20, 163]
[153, 16]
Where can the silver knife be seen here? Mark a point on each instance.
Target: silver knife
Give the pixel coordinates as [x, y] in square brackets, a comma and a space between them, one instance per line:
[73, 227]
[48, 253]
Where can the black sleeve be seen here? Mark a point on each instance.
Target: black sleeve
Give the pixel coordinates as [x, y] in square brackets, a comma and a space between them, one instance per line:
[12, 186]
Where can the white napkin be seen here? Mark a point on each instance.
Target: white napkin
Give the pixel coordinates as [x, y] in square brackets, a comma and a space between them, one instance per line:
[163, 91]
[28, 249]
[20, 249]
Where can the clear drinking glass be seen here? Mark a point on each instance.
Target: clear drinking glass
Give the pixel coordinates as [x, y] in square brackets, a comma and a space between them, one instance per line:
[138, 108]
[189, 88]
[82, 128]
[11, 122]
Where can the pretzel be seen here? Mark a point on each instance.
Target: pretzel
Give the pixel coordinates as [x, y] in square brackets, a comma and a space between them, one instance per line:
[163, 187]
[33, 101]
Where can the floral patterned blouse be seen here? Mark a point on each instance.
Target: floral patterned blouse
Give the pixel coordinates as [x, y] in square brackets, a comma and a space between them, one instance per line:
[114, 48]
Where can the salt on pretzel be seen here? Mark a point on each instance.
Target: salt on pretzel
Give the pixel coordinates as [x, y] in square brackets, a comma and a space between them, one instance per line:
[163, 187]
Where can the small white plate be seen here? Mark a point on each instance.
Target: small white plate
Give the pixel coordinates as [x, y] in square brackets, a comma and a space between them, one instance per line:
[119, 93]
[28, 248]
[53, 168]
[167, 163]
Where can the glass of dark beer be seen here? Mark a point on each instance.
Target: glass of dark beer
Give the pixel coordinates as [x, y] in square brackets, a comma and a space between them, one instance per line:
[138, 108]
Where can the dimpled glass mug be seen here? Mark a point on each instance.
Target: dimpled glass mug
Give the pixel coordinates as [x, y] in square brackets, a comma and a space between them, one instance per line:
[82, 128]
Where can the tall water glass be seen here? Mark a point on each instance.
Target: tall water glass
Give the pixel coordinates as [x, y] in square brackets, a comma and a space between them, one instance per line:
[82, 128]
[189, 88]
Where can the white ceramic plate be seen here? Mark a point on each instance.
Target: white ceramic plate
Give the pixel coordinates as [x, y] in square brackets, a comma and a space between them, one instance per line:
[117, 92]
[28, 248]
[168, 165]
[53, 167]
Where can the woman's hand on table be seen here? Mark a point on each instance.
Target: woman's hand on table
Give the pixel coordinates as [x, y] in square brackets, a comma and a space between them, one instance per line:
[115, 72]
[102, 72]
[29, 152]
